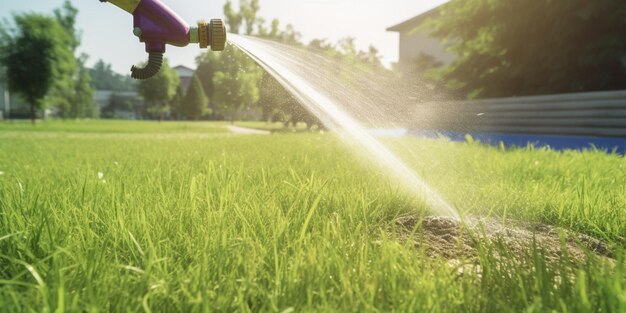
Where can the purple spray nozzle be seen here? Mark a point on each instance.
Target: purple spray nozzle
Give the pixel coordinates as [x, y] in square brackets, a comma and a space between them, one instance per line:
[157, 26]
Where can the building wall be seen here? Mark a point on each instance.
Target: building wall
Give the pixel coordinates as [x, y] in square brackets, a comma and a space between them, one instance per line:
[185, 74]
[11, 105]
[412, 44]
[103, 97]
[4, 99]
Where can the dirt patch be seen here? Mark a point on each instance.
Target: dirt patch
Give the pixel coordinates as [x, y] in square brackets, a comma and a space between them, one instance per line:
[454, 239]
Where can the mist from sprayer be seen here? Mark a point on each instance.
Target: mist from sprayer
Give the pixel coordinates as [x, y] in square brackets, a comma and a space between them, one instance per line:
[309, 78]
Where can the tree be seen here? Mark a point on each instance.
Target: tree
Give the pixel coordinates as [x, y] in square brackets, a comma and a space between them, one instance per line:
[248, 10]
[195, 103]
[119, 103]
[33, 55]
[63, 89]
[261, 31]
[233, 19]
[232, 81]
[279, 105]
[290, 36]
[236, 83]
[83, 104]
[66, 16]
[275, 28]
[159, 90]
[272, 97]
[104, 78]
[176, 104]
[514, 48]
[208, 64]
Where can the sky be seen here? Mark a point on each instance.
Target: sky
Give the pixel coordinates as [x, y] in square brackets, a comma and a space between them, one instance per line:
[107, 30]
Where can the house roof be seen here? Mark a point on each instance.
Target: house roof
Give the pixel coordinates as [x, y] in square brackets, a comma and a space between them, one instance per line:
[413, 23]
[184, 71]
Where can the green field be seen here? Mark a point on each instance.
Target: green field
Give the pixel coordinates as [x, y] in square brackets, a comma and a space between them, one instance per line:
[164, 217]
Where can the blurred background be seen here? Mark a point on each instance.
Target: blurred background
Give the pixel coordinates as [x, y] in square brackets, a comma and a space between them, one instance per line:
[471, 49]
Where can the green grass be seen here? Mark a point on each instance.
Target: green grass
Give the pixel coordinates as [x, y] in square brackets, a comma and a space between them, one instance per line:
[118, 216]
[277, 127]
[112, 126]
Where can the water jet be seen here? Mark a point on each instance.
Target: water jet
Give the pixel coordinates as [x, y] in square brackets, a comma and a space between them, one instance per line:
[287, 67]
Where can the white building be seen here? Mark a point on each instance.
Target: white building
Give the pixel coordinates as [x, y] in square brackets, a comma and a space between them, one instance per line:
[11, 106]
[416, 43]
[185, 75]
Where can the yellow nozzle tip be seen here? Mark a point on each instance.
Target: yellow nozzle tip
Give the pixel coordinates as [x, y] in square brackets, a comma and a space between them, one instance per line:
[217, 37]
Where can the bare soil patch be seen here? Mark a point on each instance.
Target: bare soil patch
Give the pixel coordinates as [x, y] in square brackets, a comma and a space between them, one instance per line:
[454, 239]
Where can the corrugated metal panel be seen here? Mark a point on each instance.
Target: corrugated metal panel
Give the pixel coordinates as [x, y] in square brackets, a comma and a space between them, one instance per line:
[583, 114]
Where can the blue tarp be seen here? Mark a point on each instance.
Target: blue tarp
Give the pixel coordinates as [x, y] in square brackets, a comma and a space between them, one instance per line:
[556, 142]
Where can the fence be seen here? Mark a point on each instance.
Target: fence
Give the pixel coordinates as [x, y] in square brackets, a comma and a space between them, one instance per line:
[598, 114]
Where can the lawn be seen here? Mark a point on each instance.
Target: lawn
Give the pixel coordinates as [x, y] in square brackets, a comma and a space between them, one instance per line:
[277, 127]
[111, 126]
[144, 216]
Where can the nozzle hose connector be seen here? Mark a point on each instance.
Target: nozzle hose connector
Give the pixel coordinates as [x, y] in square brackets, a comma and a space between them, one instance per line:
[155, 60]
[212, 34]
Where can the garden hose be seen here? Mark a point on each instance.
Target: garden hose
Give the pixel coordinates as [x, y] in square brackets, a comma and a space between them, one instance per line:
[155, 60]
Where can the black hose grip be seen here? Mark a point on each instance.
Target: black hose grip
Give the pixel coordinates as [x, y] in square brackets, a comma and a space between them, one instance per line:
[155, 60]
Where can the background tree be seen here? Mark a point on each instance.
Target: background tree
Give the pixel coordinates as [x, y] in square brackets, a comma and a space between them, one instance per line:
[66, 16]
[236, 83]
[64, 88]
[513, 48]
[233, 81]
[176, 104]
[272, 97]
[104, 78]
[83, 104]
[261, 29]
[159, 90]
[248, 14]
[278, 105]
[275, 28]
[119, 103]
[249, 10]
[291, 36]
[33, 53]
[195, 103]
[233, 19]
[208, 64]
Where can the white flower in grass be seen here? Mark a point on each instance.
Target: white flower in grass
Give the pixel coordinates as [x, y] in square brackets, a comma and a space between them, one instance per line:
[100, 175]
[1, 173]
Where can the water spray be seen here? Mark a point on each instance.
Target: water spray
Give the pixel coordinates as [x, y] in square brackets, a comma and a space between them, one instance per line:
[157, 25]
[291, 69]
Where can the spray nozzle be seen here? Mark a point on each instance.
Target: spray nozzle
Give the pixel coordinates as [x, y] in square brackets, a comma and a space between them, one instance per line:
[211, 34]
[157, 25]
